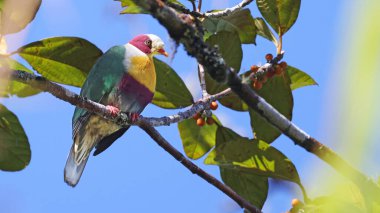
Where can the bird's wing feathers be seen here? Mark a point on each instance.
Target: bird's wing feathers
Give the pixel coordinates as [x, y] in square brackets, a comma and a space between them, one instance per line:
[101, 80]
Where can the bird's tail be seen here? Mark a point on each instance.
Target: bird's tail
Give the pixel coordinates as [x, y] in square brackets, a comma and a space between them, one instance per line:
[74, 170]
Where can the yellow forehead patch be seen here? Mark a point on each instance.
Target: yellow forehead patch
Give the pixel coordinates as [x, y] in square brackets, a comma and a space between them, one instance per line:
[142, 69]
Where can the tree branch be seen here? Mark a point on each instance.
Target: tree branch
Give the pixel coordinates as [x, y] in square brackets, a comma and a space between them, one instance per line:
[218, 70]
[198, 14]
[228, 11]
[155, 135]
[144, 123]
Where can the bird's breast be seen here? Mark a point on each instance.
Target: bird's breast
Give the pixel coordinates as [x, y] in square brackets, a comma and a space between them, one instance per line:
[141, 69]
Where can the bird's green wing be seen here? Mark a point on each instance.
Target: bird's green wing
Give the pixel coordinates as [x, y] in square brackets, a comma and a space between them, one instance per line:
[103, 77]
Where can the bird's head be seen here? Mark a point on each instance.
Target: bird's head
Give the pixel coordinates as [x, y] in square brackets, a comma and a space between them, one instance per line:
[150, 44]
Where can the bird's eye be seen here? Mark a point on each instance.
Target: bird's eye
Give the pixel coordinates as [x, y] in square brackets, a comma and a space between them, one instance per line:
[148, 43]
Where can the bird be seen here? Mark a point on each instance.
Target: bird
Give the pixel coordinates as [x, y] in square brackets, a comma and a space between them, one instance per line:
[124, 80]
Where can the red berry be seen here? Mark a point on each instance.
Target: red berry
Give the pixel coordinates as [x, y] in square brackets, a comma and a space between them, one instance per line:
[196, 116]
[283, 65]
[268, 57]
[270, 74]
[295, 202]
[200, 121]
[210, 121]
[279, 70]
[254, 68]
[257, 85]
[214, 105]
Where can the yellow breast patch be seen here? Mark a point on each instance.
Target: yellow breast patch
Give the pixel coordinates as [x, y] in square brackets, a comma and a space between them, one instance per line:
[142, 70]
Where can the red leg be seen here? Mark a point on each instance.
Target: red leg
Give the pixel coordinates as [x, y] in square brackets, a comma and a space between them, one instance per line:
[114, 111]
[134, 116]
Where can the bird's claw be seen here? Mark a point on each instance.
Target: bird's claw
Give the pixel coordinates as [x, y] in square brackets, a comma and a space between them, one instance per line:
[114, 111]
[134, 117]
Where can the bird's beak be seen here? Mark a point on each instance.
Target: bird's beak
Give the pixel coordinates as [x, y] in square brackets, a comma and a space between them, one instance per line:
[163, 52]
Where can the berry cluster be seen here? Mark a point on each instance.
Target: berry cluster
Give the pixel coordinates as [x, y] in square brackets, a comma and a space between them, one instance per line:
[279, 69]
[201, 120]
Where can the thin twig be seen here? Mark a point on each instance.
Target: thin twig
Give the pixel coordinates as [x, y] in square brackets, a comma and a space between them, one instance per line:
[199, 6]
[155, 135]
[202, 80]
[123, 120]
[198, 14]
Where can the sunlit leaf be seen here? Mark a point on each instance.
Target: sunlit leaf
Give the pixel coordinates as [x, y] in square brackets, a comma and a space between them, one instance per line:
[65, 60]
[346, 197]
[298, 78]
[252, 187]
[264, 31]
[14, 87]
[281, 15]
[15, 15]
[196, 140]
[240, 22]
[171, 91]
[235, 152]
[276, 91]
[14, 146]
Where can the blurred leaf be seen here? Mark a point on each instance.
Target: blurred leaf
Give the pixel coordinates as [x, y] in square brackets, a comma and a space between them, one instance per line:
[237, 153]
[14, 87]
[240, 22]
[276, 91]
[346, 197]
[65, 60]
[3, 45]
[132, 8]
[264, 31]
[16, 14]
[14, 146]
[171, 91]
[280, 15]
[231, 51]
[298, 78]
[253, 188]
[196, 140]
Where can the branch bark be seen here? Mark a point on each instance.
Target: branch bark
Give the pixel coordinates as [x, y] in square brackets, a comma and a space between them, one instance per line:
[219, 71]
[155, 135]
[217, 14]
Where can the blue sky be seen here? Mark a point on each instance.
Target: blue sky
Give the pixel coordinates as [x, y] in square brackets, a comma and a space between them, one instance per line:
[136, 175]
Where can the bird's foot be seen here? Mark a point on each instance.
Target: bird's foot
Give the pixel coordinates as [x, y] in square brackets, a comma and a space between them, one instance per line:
[114, 111]
[134, 116]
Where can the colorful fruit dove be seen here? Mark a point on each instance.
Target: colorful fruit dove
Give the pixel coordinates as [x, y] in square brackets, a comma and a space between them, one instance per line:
[123, 79]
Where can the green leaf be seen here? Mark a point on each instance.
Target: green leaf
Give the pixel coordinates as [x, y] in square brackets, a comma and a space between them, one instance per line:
[14, 146]
[276, 91]
[237, 153]
[231, 51]
[264, 31]
[229, 47]
[132, 8]
[252, 187]
[13, 87]
[15, 15]
[240, 22]
[196, 140]
[171, 91]
[298, 78]
[281, 15]
[65, 60]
